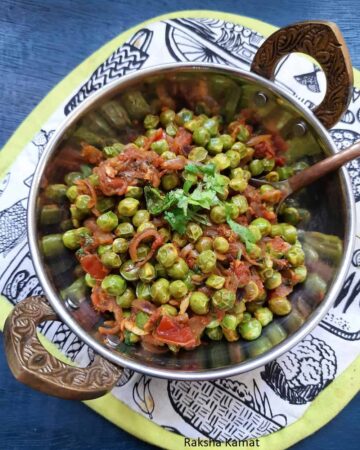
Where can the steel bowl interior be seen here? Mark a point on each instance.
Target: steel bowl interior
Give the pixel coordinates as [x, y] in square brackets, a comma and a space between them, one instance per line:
[329, 203]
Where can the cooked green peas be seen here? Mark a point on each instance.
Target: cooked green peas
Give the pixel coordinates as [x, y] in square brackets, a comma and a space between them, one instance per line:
[147, 272]
[206, 261]
[238, 184]
[178, 270]
[171, 129]
[141, 318]
[251, 291]
[71, 177]
[72, 193]
[167, 117]
[145, 226]
[160, 270]
[215, 334]
[250, 329]
[284, 172]
[178, 289]
[241, 202]
[113, 285]
[143, 290]
[215, 281]
[160, 292]
[168, 310]
[161, 146]
[130, 338]
[221, 245]
[120, 245]
[151, 121]
[212, 126]
[141, 216]
[291, 215]
[103, 248]
[167, 255]
[184, 115]
[223, 299]
[56, 192]
[129, 271]
[263, 315]
[274, 281]
[142, 251]
[128, 207]
[229, 321]
[107, 221]
[215, 145]
[227, 141]
[124, 230]
[263, 225]
[140, 141]
[300, 273]
[134, 192]
[254, 251]
[193, 231]
[256, 232]
[103, 204]
[256, 167]
[221, 162]
[201, 136]
[170, 181]
[295, 256]
[218, 214]
[233, 157]
[198, 154]
[71, 239]
[89, 280]
[289, 233]
[243, 134]
[280, 306]
[82, 203]
[199, 303]
[111, 260]
[241, 148]
[126, 298]
[165, 233]
[204, 243]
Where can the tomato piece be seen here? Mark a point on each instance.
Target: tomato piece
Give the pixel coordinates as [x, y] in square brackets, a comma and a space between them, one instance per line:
[93, 266]
[171, 331]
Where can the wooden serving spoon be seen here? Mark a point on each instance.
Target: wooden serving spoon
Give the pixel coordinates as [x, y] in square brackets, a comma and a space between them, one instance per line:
[311, 174]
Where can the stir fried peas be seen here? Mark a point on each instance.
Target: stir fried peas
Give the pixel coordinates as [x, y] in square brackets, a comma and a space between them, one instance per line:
[169, 227]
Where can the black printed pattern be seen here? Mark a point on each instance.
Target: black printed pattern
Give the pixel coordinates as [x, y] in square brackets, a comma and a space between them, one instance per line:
[130, 57]
[301, 374]
[224, 409]
[309, 80]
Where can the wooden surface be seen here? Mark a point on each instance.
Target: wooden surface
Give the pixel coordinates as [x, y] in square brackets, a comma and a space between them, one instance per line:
[41, 41]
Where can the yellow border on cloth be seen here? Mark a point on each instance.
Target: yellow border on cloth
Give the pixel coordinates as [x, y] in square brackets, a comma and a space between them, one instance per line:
[328, 403]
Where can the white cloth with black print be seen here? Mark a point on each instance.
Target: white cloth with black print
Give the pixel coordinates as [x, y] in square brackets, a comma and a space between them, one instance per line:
[253, 404]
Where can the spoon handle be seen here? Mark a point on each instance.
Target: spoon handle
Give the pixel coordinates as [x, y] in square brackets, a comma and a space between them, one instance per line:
[327, 165]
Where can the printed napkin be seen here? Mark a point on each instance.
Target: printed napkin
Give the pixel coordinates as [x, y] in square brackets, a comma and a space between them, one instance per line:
[249, 405]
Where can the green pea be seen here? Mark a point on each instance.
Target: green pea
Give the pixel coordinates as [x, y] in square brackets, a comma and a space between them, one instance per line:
[255, 232]
[280, 306]
[291, 216]
[241, 202]
[170, 181]
[215, 145]
[128, 207]
[141, 216]
[111, 259]
[56, 192]
[178, 270]
[143, 290]
[161, 146]
[82, 203]
[233, 157]
[221, 245]
[89, 280]
[274, 281]
[263, 225]
[134, 192]
[300, 273]
[289, 233]
[221, 162]
[160, 291]
[223, 299]
[103, 248]
[147, 272]
[184, 115]
[113, 285]
[142, 251]
[204, 243]
[272, 177]
[178, 289]
[206, 261]
[72, 193]
[238, 184]
[215, 334]
[256, 167]
[229, 321]
[130, 338]
[144, 226]
[227, 141]
[167, 255]
[218, 214]
[141, 318]
[103, 204]
[295, 256]
[193, 231]
[215, 281]
[284, 172]
[168, 310]
[192, 125]
[201, 136]
[233, 210]
[165, 234]
[140, 141]
[160, 270]
[129, 270]
[179, 239]
[268, 164]
[151, 121]
[120, 245]
[167, 156]
[107, 221]
[71, 239]
[250, 329]
[240, 148]
[199, 303]
[264, 316]
[212, 126]
[251, 291]
[126, 298]
[124, 230]
[243, 134]
[171, 129]
[71, 177]
[198, 154]
[167, 116]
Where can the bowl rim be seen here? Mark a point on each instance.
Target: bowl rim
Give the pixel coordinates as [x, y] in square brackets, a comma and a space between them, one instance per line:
[202, 374]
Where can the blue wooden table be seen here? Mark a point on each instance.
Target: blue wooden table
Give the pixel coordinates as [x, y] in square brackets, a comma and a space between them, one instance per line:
[41, 41]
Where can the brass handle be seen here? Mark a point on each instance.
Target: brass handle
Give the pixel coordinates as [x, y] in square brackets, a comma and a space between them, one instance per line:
[34, 366]
[327, 165]
[322, 41]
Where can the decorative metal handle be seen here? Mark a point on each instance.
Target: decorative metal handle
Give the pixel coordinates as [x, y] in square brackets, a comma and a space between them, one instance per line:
[322, 41]
[34, 366]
